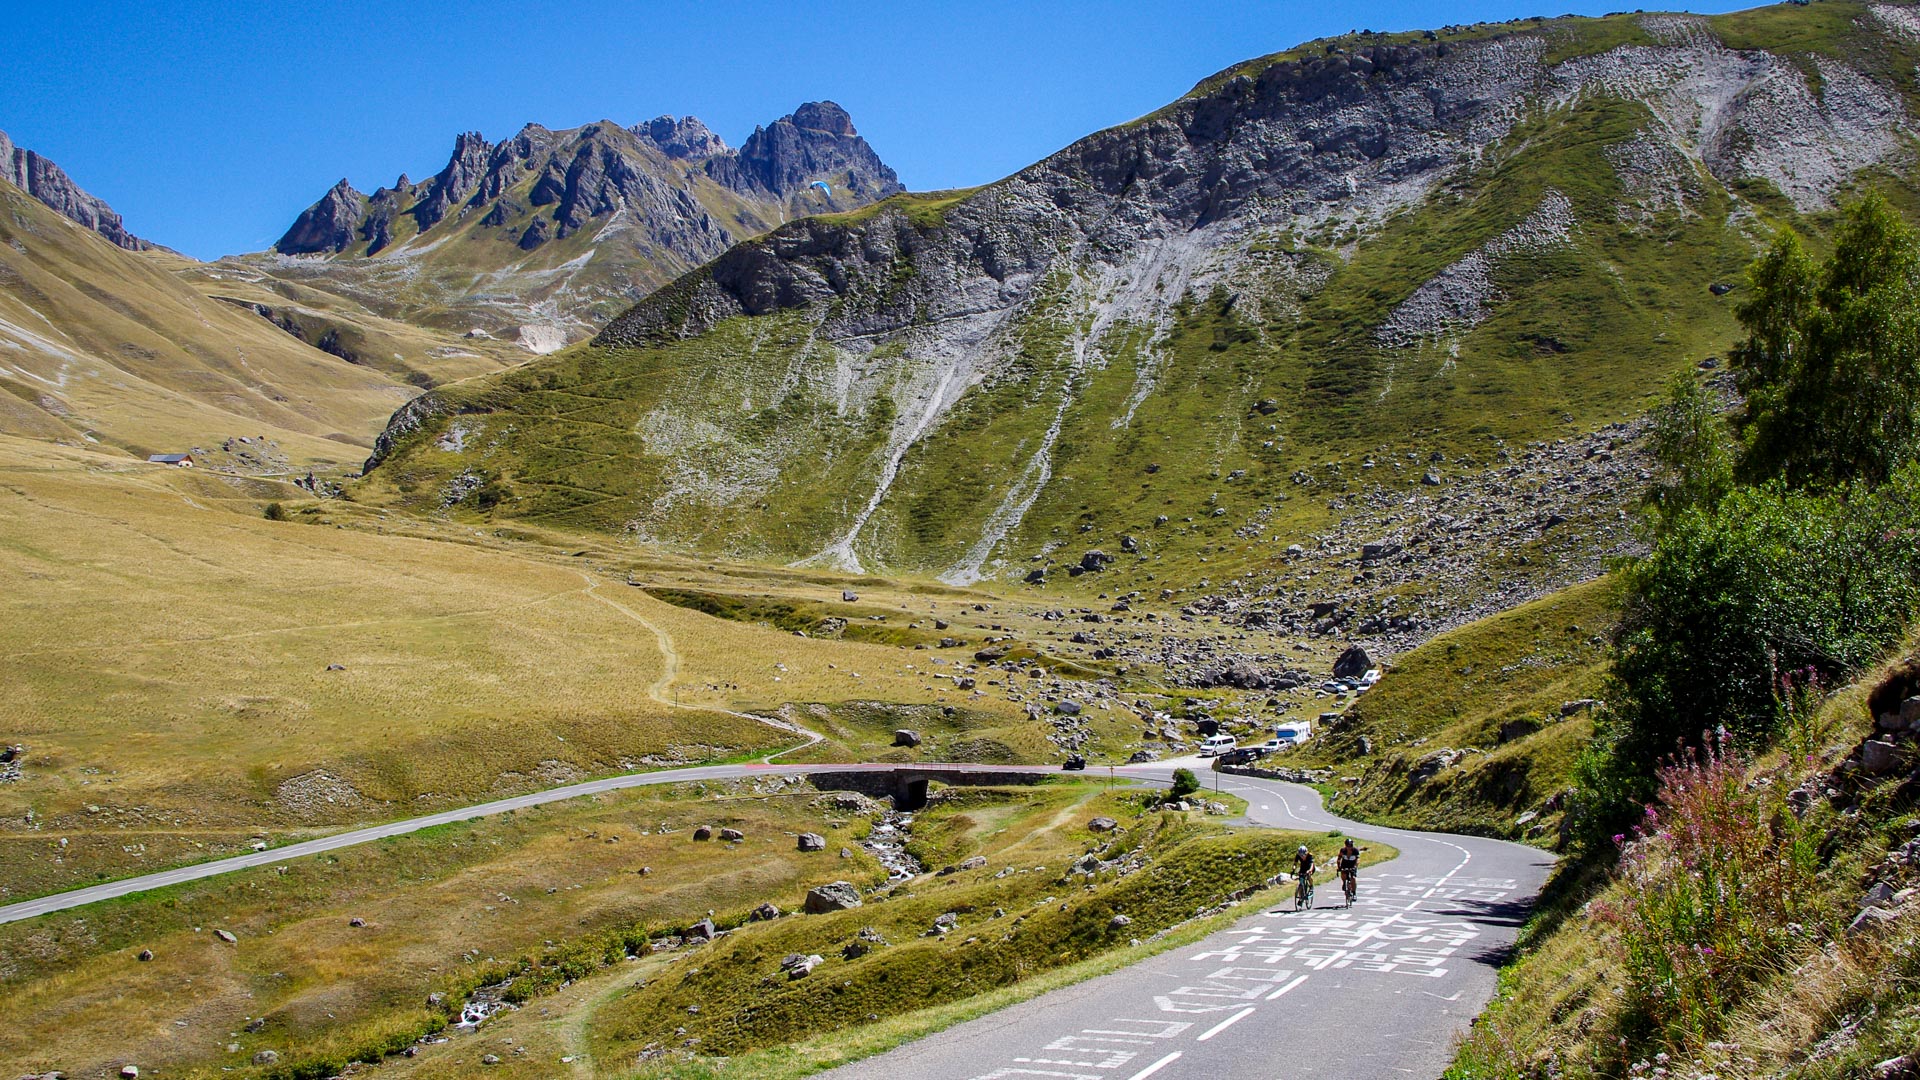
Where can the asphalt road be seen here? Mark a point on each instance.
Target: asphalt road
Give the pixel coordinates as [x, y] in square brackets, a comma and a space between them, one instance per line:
[1378, 990]
[28, 909]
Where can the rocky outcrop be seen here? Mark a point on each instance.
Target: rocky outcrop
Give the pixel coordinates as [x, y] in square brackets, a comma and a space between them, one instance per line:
[686, 138]
[329, 225]
[456, 183]
[816, 142]
[570, 178]
[49, 183]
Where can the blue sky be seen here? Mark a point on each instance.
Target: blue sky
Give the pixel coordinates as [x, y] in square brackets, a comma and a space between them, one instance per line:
[209, 126]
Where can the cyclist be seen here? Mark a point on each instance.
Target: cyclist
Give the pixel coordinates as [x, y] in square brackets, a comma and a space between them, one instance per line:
[1303, 878]
[1348, 863]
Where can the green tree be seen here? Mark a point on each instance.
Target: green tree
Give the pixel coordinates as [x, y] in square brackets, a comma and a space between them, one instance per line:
[1831, 362]
[1691, 448]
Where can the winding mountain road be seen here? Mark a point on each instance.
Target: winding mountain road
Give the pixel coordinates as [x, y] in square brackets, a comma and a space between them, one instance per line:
[1377, 990]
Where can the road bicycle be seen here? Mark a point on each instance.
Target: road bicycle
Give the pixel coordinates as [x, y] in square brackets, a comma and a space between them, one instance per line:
[1350, 884]
[1303, 893]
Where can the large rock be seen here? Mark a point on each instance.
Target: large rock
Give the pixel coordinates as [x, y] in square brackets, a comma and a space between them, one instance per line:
[812, 842]
[833, 896]
[1352, 664]
[906, 737]
[1879, 757]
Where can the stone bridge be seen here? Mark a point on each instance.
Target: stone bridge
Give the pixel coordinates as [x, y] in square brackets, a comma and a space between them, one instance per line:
[906, 785]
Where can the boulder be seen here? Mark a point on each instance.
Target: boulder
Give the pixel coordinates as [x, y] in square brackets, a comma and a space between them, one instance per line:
[226, 936]
[833, 896]
[764, 913]
[1119, 922]
[990, 654]
[1872, 919]
[1095, 561]
[906, 737]
[704, 930]
[850, 596]
[1879, 757]
[704, 832]
[1352, 663]
[799, 967]
[945, 922]
[973, 862]
[266, 1057]
[1103, 824]
[732, 834]
[1067, 708]
[812, 842]
[145, 955]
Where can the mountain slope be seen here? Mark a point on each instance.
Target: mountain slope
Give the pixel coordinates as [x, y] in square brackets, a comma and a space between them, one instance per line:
[1273, 306]
[548, 234]
[103, 346]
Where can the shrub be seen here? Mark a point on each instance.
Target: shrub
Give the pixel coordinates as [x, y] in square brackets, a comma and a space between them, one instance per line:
[1766, 581]
[276, 512]
[1184, 784]
[1718, 876]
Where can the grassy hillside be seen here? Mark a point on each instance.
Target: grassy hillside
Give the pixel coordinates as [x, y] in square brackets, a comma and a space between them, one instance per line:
[1480, 725]
[1735, 933]
[101, 346]
[750, 441]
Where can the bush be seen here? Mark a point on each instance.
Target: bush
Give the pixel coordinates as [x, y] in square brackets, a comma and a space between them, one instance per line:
[277, 512]
[1184, 784]
[1718, 875]
[1733, 597]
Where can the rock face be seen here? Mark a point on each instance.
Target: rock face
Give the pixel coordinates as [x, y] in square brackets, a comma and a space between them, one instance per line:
[814, 142]
[328, 225]
[49, 183]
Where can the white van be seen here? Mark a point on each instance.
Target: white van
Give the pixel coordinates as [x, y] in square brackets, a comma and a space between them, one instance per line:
[1217, 745]
[1293, 734]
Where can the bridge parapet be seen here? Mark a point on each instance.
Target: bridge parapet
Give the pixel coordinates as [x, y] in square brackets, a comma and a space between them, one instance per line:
[906, 785]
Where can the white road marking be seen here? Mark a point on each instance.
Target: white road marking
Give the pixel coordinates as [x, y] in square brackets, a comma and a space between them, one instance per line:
[1290, 986]
[1225, 1024]
[1156, 1066]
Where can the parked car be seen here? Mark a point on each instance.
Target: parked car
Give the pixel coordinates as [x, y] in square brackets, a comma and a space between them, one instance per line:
[1216, 745]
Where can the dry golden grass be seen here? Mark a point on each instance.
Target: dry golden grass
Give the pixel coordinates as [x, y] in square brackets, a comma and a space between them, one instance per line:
[436, 905]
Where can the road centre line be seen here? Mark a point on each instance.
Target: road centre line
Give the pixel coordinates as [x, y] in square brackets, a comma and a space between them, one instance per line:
[1225, 1024]
[1296, 982]
[1156, 1066]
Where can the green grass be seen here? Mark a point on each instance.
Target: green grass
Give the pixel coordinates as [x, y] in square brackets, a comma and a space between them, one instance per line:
[1511, 672]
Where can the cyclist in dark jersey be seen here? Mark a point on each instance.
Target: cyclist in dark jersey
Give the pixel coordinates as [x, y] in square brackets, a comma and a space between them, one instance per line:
[1347, 862]
[1303, 878]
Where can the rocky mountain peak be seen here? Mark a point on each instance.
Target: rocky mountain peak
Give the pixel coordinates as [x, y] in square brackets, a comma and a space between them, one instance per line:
[824, 116]
[327, 225]
[685, 137]
[457, 182]
[816, 141]
[50, 184]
